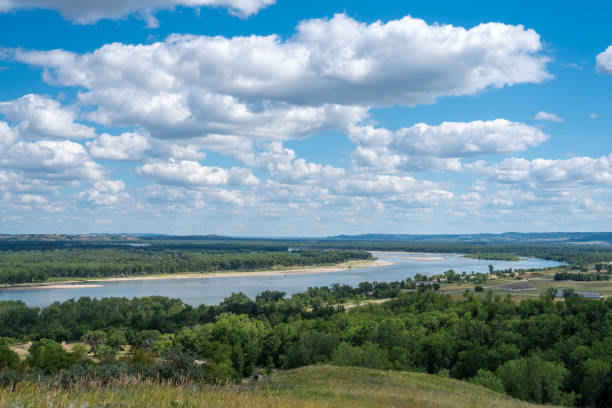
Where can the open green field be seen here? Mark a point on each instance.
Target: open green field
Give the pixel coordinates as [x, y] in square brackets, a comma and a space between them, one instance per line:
[542, 280]
[602, 287]
[314, 386]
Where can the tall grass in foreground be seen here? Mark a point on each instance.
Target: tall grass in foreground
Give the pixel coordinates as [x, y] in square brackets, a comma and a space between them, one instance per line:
[145, 394]
[315, 386]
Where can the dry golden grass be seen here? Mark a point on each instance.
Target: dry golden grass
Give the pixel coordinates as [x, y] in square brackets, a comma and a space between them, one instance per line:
[316, 386]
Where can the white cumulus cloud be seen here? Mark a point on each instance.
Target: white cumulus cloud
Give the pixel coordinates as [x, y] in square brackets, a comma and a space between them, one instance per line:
[42, 117]
[552, 173]
[439, 147]
[7, 135]
[541, 115]
[187, 172]
[87, 12]
[325, 77]
[283, 165]
[105, 192]
[604, 61]
[127, 146]
[52, 160]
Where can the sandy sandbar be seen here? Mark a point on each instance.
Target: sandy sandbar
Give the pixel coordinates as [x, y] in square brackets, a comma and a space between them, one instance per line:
[194, 275]
[417, 256]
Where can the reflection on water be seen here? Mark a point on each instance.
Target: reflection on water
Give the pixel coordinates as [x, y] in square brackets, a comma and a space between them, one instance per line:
[211, 291]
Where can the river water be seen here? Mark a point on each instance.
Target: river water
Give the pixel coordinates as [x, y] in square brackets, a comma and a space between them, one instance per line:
[211, 291]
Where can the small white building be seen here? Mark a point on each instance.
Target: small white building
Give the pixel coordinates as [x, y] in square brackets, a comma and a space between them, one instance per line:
[425, 283]
[588, 295]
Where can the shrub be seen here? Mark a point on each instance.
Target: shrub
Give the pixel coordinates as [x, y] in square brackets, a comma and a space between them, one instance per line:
[50, 356]
[488, 380]
[8, 358]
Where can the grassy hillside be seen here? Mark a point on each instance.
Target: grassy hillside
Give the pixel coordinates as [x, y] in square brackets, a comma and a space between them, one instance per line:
[314, 386]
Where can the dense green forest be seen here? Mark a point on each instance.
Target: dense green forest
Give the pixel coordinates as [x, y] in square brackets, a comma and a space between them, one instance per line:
[574, 255]
[39, 265]
[538, 350]
[571, 254]
[560, 276]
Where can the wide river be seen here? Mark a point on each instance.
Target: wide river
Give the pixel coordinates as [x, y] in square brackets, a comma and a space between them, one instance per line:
[211, 291]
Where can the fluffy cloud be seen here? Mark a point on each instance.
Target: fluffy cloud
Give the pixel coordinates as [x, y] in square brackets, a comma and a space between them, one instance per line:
[43, 117]
[180, 151]
[544, 173]
[34, 174]
[225, 144]
[541, 115]
[105, 192]
[12, 181]
[186, 172]
[387, 184]
[127, 146]
[439, 147]
[604, 61]
[36, 171]
[131, 146]
[176, 197]
[326, 77]
[282, 165]
[52, 160]
[355, 193]
[7, 135]
[86, 12]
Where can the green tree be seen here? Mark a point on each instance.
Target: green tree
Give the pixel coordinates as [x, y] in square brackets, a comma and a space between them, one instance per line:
[533, 379]
[596, 387]
[347, 355]
[243, 335]
[50, 356]
[80, 351]
[106, 354]
[116, 338]
[8, 358]
[94, 339]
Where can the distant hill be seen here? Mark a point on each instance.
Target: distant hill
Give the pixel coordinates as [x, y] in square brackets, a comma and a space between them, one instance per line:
[577, 238]
[583, 238]
[312, 387]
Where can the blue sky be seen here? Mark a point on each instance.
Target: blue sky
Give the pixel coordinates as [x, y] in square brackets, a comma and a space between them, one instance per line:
[277, 118]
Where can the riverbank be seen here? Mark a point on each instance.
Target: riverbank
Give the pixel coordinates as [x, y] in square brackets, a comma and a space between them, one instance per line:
[71, 283]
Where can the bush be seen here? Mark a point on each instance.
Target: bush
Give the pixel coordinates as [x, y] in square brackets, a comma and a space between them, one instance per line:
[95, 339]
[50, 356]
[488, 380]
[8, 358]
[106, 354]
